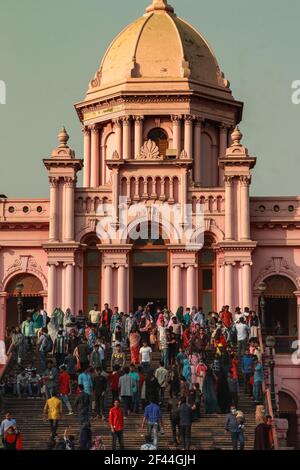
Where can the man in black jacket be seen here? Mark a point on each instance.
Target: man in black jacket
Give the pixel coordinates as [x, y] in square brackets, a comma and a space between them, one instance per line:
[82, 405]
[185, 423]
[99, 387]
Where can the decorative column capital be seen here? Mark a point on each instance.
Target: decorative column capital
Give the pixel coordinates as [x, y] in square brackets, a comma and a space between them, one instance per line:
[69, 181]
[53, 181]
[229, 263]
[126, 120]
[224, 127]
[117, 122]
[95, 128]
[69, 263]
[246, 263]
[228, 180]
[245, 181]
[138, 119]
[189, 118]
[199, 121]
[176, 118]
[86, 130]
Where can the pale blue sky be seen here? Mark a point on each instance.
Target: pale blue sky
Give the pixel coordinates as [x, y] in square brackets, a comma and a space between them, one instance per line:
[50, 50]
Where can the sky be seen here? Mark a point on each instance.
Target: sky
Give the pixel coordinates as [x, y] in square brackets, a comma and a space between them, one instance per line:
[49, 51]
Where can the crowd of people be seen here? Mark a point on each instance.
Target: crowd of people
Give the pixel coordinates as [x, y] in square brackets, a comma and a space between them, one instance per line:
[101, 367]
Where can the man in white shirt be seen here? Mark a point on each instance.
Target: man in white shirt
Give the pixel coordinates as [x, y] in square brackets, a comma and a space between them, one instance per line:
[238, 315]
[94, 315]
[145, 357]
[242, 336]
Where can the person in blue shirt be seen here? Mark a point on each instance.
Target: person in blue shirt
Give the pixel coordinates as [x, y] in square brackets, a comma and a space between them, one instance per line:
[187, 318]
[153, 418]
[258, 380]
[85, 380]
[247, 369]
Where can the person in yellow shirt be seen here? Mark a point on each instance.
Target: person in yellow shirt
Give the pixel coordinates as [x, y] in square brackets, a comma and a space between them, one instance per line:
[53, 410]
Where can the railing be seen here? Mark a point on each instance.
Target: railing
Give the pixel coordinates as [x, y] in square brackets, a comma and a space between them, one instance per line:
[8, 364]
[267, 394]
[213, 200]
[90, 201]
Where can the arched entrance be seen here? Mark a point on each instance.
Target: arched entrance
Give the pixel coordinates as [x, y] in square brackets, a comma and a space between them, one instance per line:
[91, 273]
[288, 410]
[207, 276]
[149, 272]
[281, 306]
[32, 297]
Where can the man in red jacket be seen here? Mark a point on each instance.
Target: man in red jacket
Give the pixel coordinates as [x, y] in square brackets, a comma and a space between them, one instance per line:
[116, 421]
[226, 317]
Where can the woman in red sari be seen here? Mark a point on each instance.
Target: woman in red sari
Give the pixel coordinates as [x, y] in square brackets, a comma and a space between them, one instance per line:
[134, 342]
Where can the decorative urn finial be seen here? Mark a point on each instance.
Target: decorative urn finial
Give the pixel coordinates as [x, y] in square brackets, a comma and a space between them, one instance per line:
[63, 138]
[160, 5]
[236, 136]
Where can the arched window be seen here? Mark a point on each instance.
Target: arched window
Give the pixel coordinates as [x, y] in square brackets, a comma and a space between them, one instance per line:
[159, 136]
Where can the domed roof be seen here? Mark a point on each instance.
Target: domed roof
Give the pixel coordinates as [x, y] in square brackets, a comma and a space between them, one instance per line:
[158, 46]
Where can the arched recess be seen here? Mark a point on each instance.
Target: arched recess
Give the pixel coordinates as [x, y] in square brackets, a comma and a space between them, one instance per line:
[149, 267]
[281, 305]
[160, 137]
[91, 272]
[288, 410]
[32, 294]
[207, 274]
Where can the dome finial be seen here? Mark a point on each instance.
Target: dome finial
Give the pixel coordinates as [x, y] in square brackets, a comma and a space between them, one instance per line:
[236, 136]
[63, 138]
[160, 5]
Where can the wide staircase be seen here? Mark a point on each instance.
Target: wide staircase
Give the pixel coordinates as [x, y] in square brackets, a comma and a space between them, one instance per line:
[207, 433]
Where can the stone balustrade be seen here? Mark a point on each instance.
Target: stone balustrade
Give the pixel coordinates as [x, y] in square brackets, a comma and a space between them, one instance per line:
[89, 201]
[212, 199]
[145, 188]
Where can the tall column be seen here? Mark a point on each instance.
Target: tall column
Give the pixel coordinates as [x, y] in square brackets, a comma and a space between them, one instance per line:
[177, 133]
[228, 208]
[118, 132]
[188, 135]
[69, 210]
[108, 285]
[126, 137]
[191, 286]
[122, 291]
[115, 195]
[247, 288]
[176, 288]
[229, 284]
[245, 208]
[53, 219]
[138, 135]
[197, 152]
[221, 286]
[95, 157]
[87, 157]
[70, 286]
[223, 136]
[51, 288]
[2, 320]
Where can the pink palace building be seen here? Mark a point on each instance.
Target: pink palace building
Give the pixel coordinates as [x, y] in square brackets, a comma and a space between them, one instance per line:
[159, 126]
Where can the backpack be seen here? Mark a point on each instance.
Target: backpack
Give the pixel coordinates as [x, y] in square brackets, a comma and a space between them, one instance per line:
[48, 344]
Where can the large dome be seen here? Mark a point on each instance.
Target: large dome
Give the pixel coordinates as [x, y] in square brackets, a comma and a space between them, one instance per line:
[159, 46]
